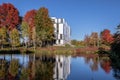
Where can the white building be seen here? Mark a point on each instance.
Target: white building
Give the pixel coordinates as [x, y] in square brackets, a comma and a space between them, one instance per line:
[62, 67]
[62, 31]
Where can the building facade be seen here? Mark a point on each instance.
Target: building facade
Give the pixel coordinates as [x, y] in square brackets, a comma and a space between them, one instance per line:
[62, 31]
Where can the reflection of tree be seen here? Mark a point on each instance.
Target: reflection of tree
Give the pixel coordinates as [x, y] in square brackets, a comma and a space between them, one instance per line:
[13, 68]
[2, 69]
[93, 61]
[44, 70]
[87, 60]
[105, 64]
[115, 62]
[24, 74]
[94, 65]
[115, 54]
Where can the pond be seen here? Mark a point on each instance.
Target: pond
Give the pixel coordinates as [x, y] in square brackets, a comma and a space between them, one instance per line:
[58, 67]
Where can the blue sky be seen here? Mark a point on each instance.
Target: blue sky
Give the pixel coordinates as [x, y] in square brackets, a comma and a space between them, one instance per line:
[84, 16]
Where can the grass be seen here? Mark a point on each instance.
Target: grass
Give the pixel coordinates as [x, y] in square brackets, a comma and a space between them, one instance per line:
[52, 50]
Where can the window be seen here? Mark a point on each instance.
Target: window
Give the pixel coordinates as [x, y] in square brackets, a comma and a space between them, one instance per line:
[60, 36]
[57, 28]
[59, 41]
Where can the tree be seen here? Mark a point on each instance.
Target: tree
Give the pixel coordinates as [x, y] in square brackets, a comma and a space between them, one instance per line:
[29, 18]
[87, 40]
[14, 38]
[44, 26]
[94, 39]
[106, 37]
[25, 32]
[116, 44]
[3, 36]
[9, 16]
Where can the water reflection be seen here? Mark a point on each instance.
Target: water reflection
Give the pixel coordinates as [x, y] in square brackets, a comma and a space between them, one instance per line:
[33, 67]
[115, 62]
[62, 67]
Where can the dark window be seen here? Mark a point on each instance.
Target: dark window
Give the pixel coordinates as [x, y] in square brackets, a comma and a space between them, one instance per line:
[61, 64]
[60, 36]
[57, 28]
[59, 41]
[61, 20]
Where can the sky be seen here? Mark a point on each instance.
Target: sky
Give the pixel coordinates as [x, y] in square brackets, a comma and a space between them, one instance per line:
[83, 16]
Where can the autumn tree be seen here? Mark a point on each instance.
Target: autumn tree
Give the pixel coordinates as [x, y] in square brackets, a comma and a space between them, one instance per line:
[87, 40]
[44, 26]
[94, 38]
[106, 37]
[14, 38]
[25, 32]
[9, 16]
[29, 18]
[3, 36]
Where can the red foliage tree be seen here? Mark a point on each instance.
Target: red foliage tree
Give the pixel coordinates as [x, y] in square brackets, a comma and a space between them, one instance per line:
[29, 18]
[106, 37]
[9, 16]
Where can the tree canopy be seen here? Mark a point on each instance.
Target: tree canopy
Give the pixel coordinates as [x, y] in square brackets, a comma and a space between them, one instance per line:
[9, 16]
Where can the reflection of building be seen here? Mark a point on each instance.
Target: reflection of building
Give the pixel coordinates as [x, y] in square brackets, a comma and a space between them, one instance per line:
[62, 31]
[62, 68]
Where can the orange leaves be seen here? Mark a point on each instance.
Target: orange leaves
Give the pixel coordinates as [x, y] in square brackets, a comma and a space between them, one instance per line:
[106, 37]
[29, 18]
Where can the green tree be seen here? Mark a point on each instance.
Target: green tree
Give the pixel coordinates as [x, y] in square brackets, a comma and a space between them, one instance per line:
[14, 38]
[3, 36]
[44, 26]
[25, 31]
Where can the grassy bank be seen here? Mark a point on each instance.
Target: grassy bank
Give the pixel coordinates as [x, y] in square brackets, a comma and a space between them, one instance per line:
[52, 50]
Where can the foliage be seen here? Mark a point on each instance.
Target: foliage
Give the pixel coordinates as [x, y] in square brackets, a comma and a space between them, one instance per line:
[9, 16]
[29, 18]
[2, 69]
[13, 68]
[106, 37]
[44, 26]
[43, 72]
[25, 31]
[3, 36]
[92, 40]
[77, 43]
[24, 74]
[14, 38]
[116, 44]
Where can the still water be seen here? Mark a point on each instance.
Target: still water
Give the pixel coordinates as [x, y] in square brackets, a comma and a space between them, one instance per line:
[58, 67]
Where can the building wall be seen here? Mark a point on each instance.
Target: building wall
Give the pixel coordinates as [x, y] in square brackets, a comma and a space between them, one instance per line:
[62, 31]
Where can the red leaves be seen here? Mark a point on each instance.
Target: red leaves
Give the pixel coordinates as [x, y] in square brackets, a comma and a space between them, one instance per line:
[9, 16]
[29, 18]
[106, 66]
[106, 37]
